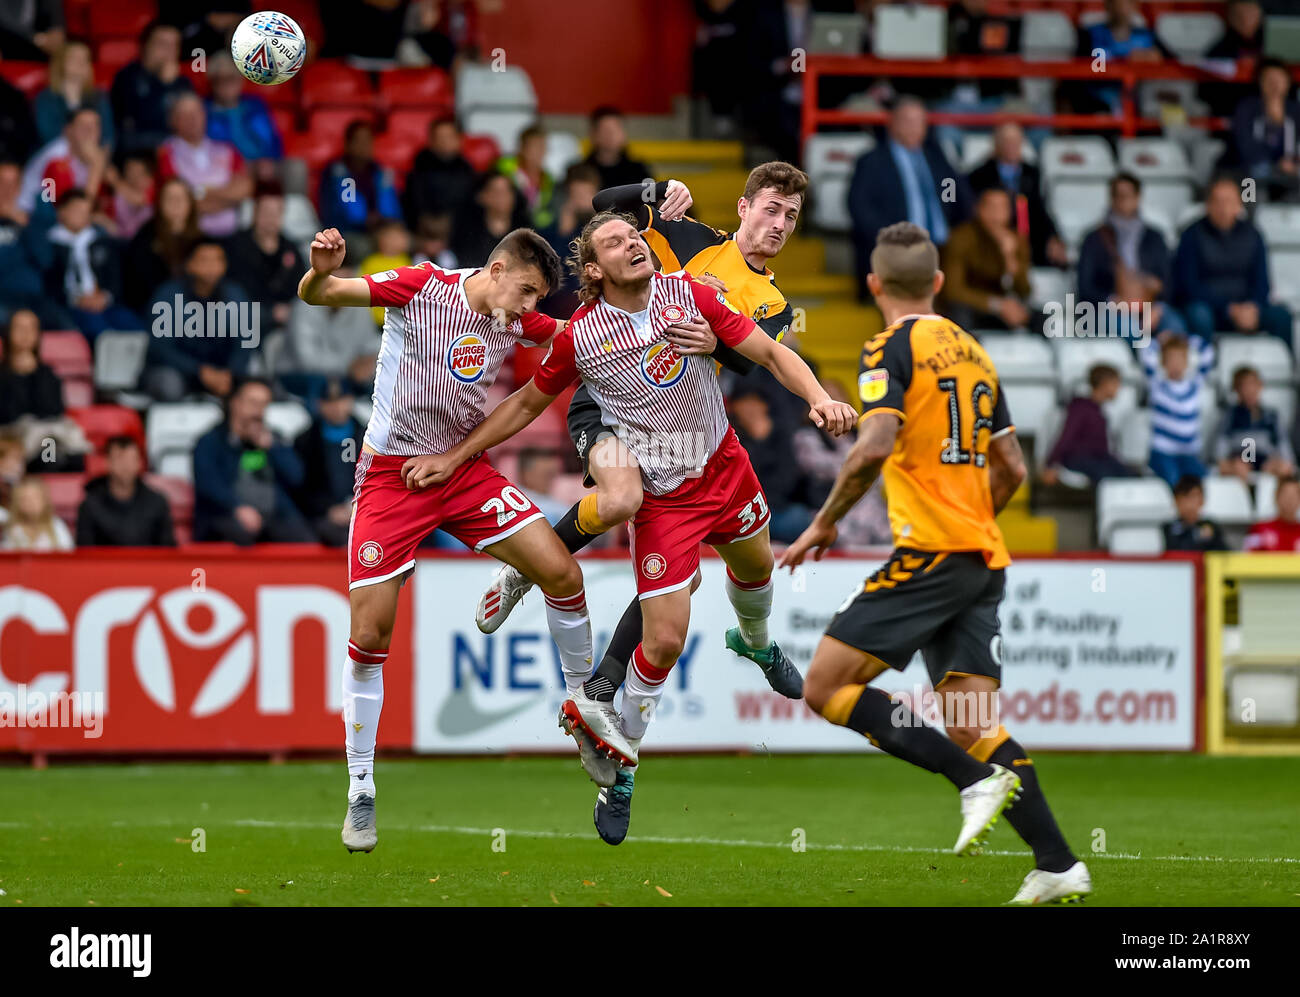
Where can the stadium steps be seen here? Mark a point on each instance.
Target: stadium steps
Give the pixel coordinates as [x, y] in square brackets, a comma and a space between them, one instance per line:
[832, 335]
[666, 157]
[1024, 532]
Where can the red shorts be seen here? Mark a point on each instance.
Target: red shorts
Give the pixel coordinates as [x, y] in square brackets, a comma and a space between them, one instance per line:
[723, 505]
[477, 505]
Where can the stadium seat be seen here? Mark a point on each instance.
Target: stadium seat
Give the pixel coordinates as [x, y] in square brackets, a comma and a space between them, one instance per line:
[307, 15]
[503, 124]
[111, 56]
[482, 85]
[1130, 512]
[1019, 356]
[976, 148]
[1075, 357]
[1267, 354]
[101, 423]
[1189, 35]
[1265, 497]
[1133, 438]
[67, 353]
[829, 159]
[119, 359]
[174, 427]
[1078, 207]
[397, 151]
[563, 149]
[177, 464]
[287, 420]
[1281, 398]
[1076, 157]
[1154, 159]
[1034, 409]
[286, 120]
[482, 151]
[29, 77]
[333, 122]
[333, 83]
[78, 392]
[1227, 500]
[66, 492]
[1049, 284]
[909, 31]
[1206, 153]
[179, 492]
[1046, 35]
[411, 124]
[312, 149]
[1283, 265]
[1279, 224]
[427, 89]
[121, 18]
[1164, 201]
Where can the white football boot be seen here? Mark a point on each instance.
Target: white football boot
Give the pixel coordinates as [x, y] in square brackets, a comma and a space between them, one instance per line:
[602, 724]
[981, 803]
[602, 769]
[359, 834]
[1043, 887]
[502, 596]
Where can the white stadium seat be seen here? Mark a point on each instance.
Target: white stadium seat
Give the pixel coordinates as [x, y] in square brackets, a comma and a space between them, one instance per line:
[1033, 409]
[1283, 267]
[829, 159]
[1046, 35]
[482, 85]
[119, 359]
[1190, 35]
[174, 427]
[1087, 157]
[1227, 500]
[1049, 284]
[1267, 354]
[911, 31]
[1078, 207]
[1265, 497]
[1154, 159]
[1206, 153]
[1075, 357]
[562, 151]
[503, 123]
[976, 148]
[1133, 443]
[1020, 356]
[287, 420]
[1130, 512]
[1281, 398]
[1167, 199]
[1279, 224]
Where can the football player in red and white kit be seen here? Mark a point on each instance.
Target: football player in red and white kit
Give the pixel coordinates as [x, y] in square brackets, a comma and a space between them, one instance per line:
[446, 333]
[699, 483]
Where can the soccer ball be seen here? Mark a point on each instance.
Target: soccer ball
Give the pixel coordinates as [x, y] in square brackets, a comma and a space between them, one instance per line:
[268, 47]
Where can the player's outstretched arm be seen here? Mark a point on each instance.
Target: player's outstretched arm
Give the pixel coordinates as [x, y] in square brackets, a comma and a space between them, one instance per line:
[319, 286]
[1006, 469]
[837, 418]
[506, 419]
[859, 473]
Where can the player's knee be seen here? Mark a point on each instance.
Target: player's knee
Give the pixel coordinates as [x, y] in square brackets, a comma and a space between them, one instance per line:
[621, 501]
[817, 691]
[369, 635]
[663, 648]
[963, 736]
[563, 578]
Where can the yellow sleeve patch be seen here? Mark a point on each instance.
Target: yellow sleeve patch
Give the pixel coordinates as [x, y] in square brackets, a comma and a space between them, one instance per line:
[872, 385]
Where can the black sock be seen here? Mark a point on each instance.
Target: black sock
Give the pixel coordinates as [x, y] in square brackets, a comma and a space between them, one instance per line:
[894, 728]
[571, 535]
[1030, 815]
[613, 666]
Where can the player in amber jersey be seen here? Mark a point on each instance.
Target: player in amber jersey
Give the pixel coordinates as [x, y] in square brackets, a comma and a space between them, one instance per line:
[936, 422]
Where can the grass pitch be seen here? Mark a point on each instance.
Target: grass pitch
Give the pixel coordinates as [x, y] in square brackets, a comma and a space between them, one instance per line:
[1156, 830]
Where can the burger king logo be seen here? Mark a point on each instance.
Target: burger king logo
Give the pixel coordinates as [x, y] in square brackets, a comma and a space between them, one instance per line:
[467, 357]
[653, 565]
[672, 313]
[661, 365]
[370, 553]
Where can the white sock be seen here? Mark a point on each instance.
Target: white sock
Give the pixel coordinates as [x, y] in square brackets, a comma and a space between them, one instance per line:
[752, 602]
[363, 699]
[571, 630]
[642, 690]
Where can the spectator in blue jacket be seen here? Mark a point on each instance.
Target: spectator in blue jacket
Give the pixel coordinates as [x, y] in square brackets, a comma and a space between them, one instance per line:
[84, 274]
[355, 191]
[243, 477]
[72, 87]
[1120, 37]
[906, 178]
[1266, 133]
[1221, 271]
[242, 119]
[20, 276]
[203, 329]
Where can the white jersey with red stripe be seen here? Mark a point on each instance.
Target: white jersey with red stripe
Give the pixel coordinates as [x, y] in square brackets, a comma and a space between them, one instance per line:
[437, 359]
[666, 408]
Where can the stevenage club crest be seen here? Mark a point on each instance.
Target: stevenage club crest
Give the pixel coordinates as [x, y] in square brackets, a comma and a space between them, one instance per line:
[370, 553]
[653, 565]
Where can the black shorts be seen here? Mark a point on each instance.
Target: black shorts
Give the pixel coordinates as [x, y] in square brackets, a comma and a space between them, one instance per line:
[586, 428]
[943, 605]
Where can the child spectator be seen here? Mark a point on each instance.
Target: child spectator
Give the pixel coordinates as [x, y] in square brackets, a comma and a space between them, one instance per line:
[392, 250]
[1189, 531]
[32, 524]
[1252, 437]
[1283, 532]
[1084, 443]
[119, 509]
[1177, 371]
[535, 185]
[85, 271]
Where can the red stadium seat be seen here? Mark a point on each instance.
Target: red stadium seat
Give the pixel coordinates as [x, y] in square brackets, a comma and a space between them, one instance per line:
[314, 149]
[68, 353]
[412, 124]
[428, 89]
[101, 423]
[111, 56]
[78, 392]
[76, 17]
[333, 83]
[397, 151]
[481, 151]
[307, 15]
[334, 121]
[180, 496]
[66, 493]
[121, 18]
[29, 77]
[286, 120]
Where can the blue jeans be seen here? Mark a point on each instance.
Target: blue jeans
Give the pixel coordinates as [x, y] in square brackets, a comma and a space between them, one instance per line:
[1171, 467]
[1205, 320]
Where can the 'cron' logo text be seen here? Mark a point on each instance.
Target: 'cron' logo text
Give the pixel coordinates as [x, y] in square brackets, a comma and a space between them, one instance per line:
[370, 553]
[661, 365]
[467, 357]
[653, 565]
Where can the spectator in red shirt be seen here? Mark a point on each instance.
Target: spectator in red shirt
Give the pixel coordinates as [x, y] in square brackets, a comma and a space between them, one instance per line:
[214, 170]
[76, 159]
[1282, 533]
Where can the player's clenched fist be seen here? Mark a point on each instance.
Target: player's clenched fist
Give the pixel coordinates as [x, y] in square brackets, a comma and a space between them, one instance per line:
[426, 470]
[328, 251]
[837, 418]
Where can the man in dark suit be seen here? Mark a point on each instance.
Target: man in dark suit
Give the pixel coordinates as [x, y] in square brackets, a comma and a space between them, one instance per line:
[906, 178]
[1007, 169]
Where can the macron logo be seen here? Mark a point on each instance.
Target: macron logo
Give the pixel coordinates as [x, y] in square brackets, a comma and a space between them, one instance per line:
[93, 951]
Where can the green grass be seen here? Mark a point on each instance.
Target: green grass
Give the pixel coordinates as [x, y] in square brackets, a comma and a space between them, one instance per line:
[1179, 830]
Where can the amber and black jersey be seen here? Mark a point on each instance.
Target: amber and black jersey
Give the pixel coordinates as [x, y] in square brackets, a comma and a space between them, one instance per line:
[938, 380]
